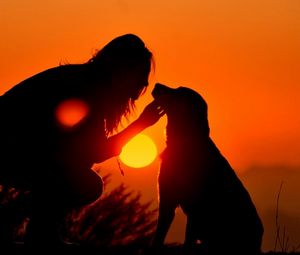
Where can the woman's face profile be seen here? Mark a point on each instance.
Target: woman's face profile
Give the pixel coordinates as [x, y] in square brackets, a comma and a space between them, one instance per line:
[140, 83]
[132, 81]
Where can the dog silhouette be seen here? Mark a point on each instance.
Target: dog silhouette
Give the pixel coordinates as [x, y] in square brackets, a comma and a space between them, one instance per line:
[196, 176]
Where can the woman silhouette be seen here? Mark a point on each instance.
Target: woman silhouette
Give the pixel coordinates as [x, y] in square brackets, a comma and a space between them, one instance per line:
[52, 158]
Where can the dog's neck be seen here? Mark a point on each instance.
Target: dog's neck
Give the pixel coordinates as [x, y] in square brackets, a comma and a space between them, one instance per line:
[182, 134]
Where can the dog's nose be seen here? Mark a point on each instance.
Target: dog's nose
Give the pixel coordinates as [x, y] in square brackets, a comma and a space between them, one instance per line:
[160, 89]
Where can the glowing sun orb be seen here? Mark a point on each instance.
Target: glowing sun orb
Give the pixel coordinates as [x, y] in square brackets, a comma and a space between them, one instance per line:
[139, 152]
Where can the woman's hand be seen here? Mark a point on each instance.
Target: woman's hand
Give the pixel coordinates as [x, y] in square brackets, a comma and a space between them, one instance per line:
[151, 114]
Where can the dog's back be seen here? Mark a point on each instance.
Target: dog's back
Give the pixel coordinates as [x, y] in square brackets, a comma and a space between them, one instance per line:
[195, 175]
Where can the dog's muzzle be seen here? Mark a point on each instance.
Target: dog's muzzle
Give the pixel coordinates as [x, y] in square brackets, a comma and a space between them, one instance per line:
[160, 89]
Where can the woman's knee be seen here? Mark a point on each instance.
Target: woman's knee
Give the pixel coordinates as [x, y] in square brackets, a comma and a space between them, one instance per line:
[85, 189]
[93, 188]
[96, 188]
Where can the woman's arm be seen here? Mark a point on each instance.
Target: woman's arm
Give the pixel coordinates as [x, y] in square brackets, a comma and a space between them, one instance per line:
[150, 115]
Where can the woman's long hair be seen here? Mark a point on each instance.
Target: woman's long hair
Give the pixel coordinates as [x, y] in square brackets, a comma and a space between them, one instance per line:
[122, 53]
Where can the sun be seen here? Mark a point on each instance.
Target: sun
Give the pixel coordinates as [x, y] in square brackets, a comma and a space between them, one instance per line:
[139, 152]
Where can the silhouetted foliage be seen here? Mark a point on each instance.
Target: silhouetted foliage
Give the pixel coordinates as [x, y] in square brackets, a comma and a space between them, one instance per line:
[13, 214]
[118, 222]
[282, 239]
[116, 219]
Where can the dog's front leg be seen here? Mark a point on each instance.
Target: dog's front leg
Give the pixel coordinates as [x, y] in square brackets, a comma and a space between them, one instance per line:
[190, 233]
[165, 218]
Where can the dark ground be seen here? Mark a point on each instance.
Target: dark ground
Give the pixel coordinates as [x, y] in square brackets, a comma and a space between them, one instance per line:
[124, 250]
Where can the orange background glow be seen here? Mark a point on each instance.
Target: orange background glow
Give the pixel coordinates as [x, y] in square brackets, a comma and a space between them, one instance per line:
[242, 56]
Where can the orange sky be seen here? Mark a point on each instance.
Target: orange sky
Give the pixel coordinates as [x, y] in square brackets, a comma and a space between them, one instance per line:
[242, 56]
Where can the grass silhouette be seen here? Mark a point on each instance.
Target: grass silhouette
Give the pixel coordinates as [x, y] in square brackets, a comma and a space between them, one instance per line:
[282, 239]
[118, 223]
[116, 219]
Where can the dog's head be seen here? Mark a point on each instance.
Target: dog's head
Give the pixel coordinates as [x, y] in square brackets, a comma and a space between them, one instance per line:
[183, 106]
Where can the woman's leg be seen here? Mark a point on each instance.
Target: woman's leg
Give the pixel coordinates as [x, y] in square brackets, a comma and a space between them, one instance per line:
[52, 198]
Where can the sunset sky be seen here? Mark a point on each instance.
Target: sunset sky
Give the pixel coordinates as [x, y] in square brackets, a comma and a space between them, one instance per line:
[243, 57]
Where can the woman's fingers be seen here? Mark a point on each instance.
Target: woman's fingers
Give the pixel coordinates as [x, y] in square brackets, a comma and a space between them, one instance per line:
[158, 110]
[152, 113]
[161, 111]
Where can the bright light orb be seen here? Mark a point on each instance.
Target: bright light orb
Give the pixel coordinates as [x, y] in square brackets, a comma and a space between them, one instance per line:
[71, 111]
[139, 152]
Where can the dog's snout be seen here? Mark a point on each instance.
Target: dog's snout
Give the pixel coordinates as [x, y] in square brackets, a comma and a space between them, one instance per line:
[157, 90]
[160, 89]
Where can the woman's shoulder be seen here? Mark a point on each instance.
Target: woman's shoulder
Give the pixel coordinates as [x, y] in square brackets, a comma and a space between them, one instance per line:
[61, 73]
[51, 79]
